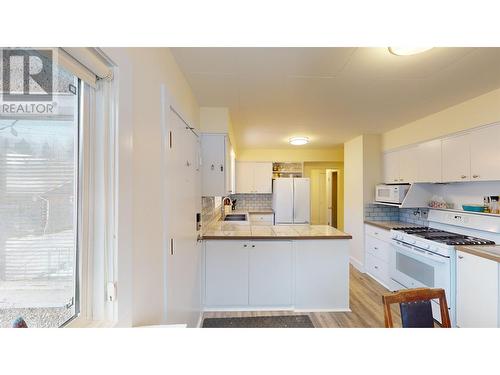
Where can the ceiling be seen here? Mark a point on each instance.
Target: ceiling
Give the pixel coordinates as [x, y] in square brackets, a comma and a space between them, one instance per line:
[332, 94]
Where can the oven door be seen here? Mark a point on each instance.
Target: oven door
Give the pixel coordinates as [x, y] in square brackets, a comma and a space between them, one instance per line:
[412, 267]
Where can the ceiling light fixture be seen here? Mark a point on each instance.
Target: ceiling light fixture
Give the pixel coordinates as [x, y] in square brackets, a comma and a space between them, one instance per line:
[406, 51]
[298, 141]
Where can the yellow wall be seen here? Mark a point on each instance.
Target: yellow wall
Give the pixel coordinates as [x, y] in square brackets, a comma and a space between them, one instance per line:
[295, 154]
[481, 110]
[310, 168]
[217, 120]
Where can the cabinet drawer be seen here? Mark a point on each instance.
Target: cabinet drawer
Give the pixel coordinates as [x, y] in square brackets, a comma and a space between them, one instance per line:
[378, 248]
[382, 234]
[377, 268]
[261, 218]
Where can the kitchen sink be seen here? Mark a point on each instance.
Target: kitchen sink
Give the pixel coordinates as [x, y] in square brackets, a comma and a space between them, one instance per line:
[236, 217]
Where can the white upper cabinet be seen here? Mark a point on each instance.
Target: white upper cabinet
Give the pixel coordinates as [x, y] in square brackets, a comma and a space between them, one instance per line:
[408, 165]
[485, 154]
[429, 162]
[456, 159]
[217, 175]
[391, 167]
[254, 177]
[400, 166]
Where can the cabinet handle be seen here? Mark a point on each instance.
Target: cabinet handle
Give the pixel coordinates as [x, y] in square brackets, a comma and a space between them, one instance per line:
[375, 247]
[460, 257]
[245, 245]
[171, 246]
[395, 180]
[376, 267]
[463, 176]
[475, 176]
[222, 168]
[400, 179]
[253, 245]
[212, 167]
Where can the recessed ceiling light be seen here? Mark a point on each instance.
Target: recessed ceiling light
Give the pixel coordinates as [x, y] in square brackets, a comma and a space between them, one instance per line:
[298, 141]
[406, 51]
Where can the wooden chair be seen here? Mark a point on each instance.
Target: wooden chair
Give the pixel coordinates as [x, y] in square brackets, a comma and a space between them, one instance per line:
[415, 306]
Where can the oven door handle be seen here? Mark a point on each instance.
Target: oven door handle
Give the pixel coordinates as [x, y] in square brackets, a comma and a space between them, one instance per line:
[420, 252]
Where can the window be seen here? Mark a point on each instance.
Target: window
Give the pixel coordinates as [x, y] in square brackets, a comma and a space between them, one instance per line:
[39, 210]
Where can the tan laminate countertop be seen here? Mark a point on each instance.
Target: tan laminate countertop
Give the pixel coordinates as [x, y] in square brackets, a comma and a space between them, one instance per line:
[389, 224]
[491, 252]
[228, 231]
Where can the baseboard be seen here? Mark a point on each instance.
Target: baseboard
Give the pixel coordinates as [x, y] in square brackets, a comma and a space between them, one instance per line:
[357, 264]
[249, 308]
[323, 310]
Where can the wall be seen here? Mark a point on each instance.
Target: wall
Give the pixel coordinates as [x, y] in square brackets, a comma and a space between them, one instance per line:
[321, 167]
[139, 106]
[218, 120]
[291, 154]
[482, 110]
[361, 174]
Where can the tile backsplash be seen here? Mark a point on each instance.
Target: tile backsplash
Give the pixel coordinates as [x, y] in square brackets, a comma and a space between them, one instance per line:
[387, 213]
[209, 211]
[253, 201]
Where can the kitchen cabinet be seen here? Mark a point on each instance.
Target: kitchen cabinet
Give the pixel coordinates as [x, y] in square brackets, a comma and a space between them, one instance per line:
[391, 167]
[254, 177]
[429, 161]
[477, 291]
[270, 273]
[217, 158]
[485, 154]
[378, 253]
[261, 219]
[456, 158]
[401, 166]
[226, 273]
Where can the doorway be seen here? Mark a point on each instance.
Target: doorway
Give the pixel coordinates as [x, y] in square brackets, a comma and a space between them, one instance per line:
[331, 191]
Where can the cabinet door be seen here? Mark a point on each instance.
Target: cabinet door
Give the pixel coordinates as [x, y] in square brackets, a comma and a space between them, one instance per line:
[244, 177]
[456, 158]
[429, 161]
[229, 165]
[226, 273]
[408, 165]
[485, 154]
[263, 177]
[391, 167]
[270, 273]
[477, 291]
[213, 165]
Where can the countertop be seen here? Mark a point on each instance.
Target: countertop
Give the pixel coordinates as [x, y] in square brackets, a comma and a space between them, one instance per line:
[389, 224]
[244, 231]
[491, 252]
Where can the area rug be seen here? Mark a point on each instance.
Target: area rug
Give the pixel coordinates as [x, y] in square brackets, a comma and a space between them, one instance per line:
[281, 321]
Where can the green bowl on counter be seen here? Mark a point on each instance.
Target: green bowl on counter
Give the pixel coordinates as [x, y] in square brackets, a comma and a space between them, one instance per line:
[473, 207]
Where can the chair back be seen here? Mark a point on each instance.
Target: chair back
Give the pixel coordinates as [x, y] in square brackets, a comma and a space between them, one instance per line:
[415, 306]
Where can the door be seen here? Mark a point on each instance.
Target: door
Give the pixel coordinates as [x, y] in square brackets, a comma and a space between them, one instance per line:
[391, 167]
[283, 200]
[477, 291]
[263, 177]
[182, 202]
[485, 154]
[213, 155]
[456, 158]
[331, 197]
[244, 177]
[270, 273]
[301, 200]
[429, 161]
[226, 273]
[408, 165]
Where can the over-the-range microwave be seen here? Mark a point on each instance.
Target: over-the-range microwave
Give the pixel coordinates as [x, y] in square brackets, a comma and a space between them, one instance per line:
[391, 193]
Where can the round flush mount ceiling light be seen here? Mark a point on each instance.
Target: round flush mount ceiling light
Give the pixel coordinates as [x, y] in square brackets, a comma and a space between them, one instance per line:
[407, 51]
[298, 141]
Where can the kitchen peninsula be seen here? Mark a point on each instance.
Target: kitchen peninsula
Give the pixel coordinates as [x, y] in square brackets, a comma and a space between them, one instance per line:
[275, 267]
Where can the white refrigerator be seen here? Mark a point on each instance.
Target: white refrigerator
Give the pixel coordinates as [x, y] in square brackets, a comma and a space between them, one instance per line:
[291, 200]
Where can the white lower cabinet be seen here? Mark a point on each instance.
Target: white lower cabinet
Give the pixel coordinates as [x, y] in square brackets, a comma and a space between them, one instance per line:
[270, 273]
[378, 254]
[276, 274]
[226, 273]
[477, 291]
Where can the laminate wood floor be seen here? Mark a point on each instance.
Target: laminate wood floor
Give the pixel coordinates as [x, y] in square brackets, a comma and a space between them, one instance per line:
[365, 302]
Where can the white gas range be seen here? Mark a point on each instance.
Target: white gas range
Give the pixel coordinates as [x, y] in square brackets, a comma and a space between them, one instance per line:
[425, 256]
